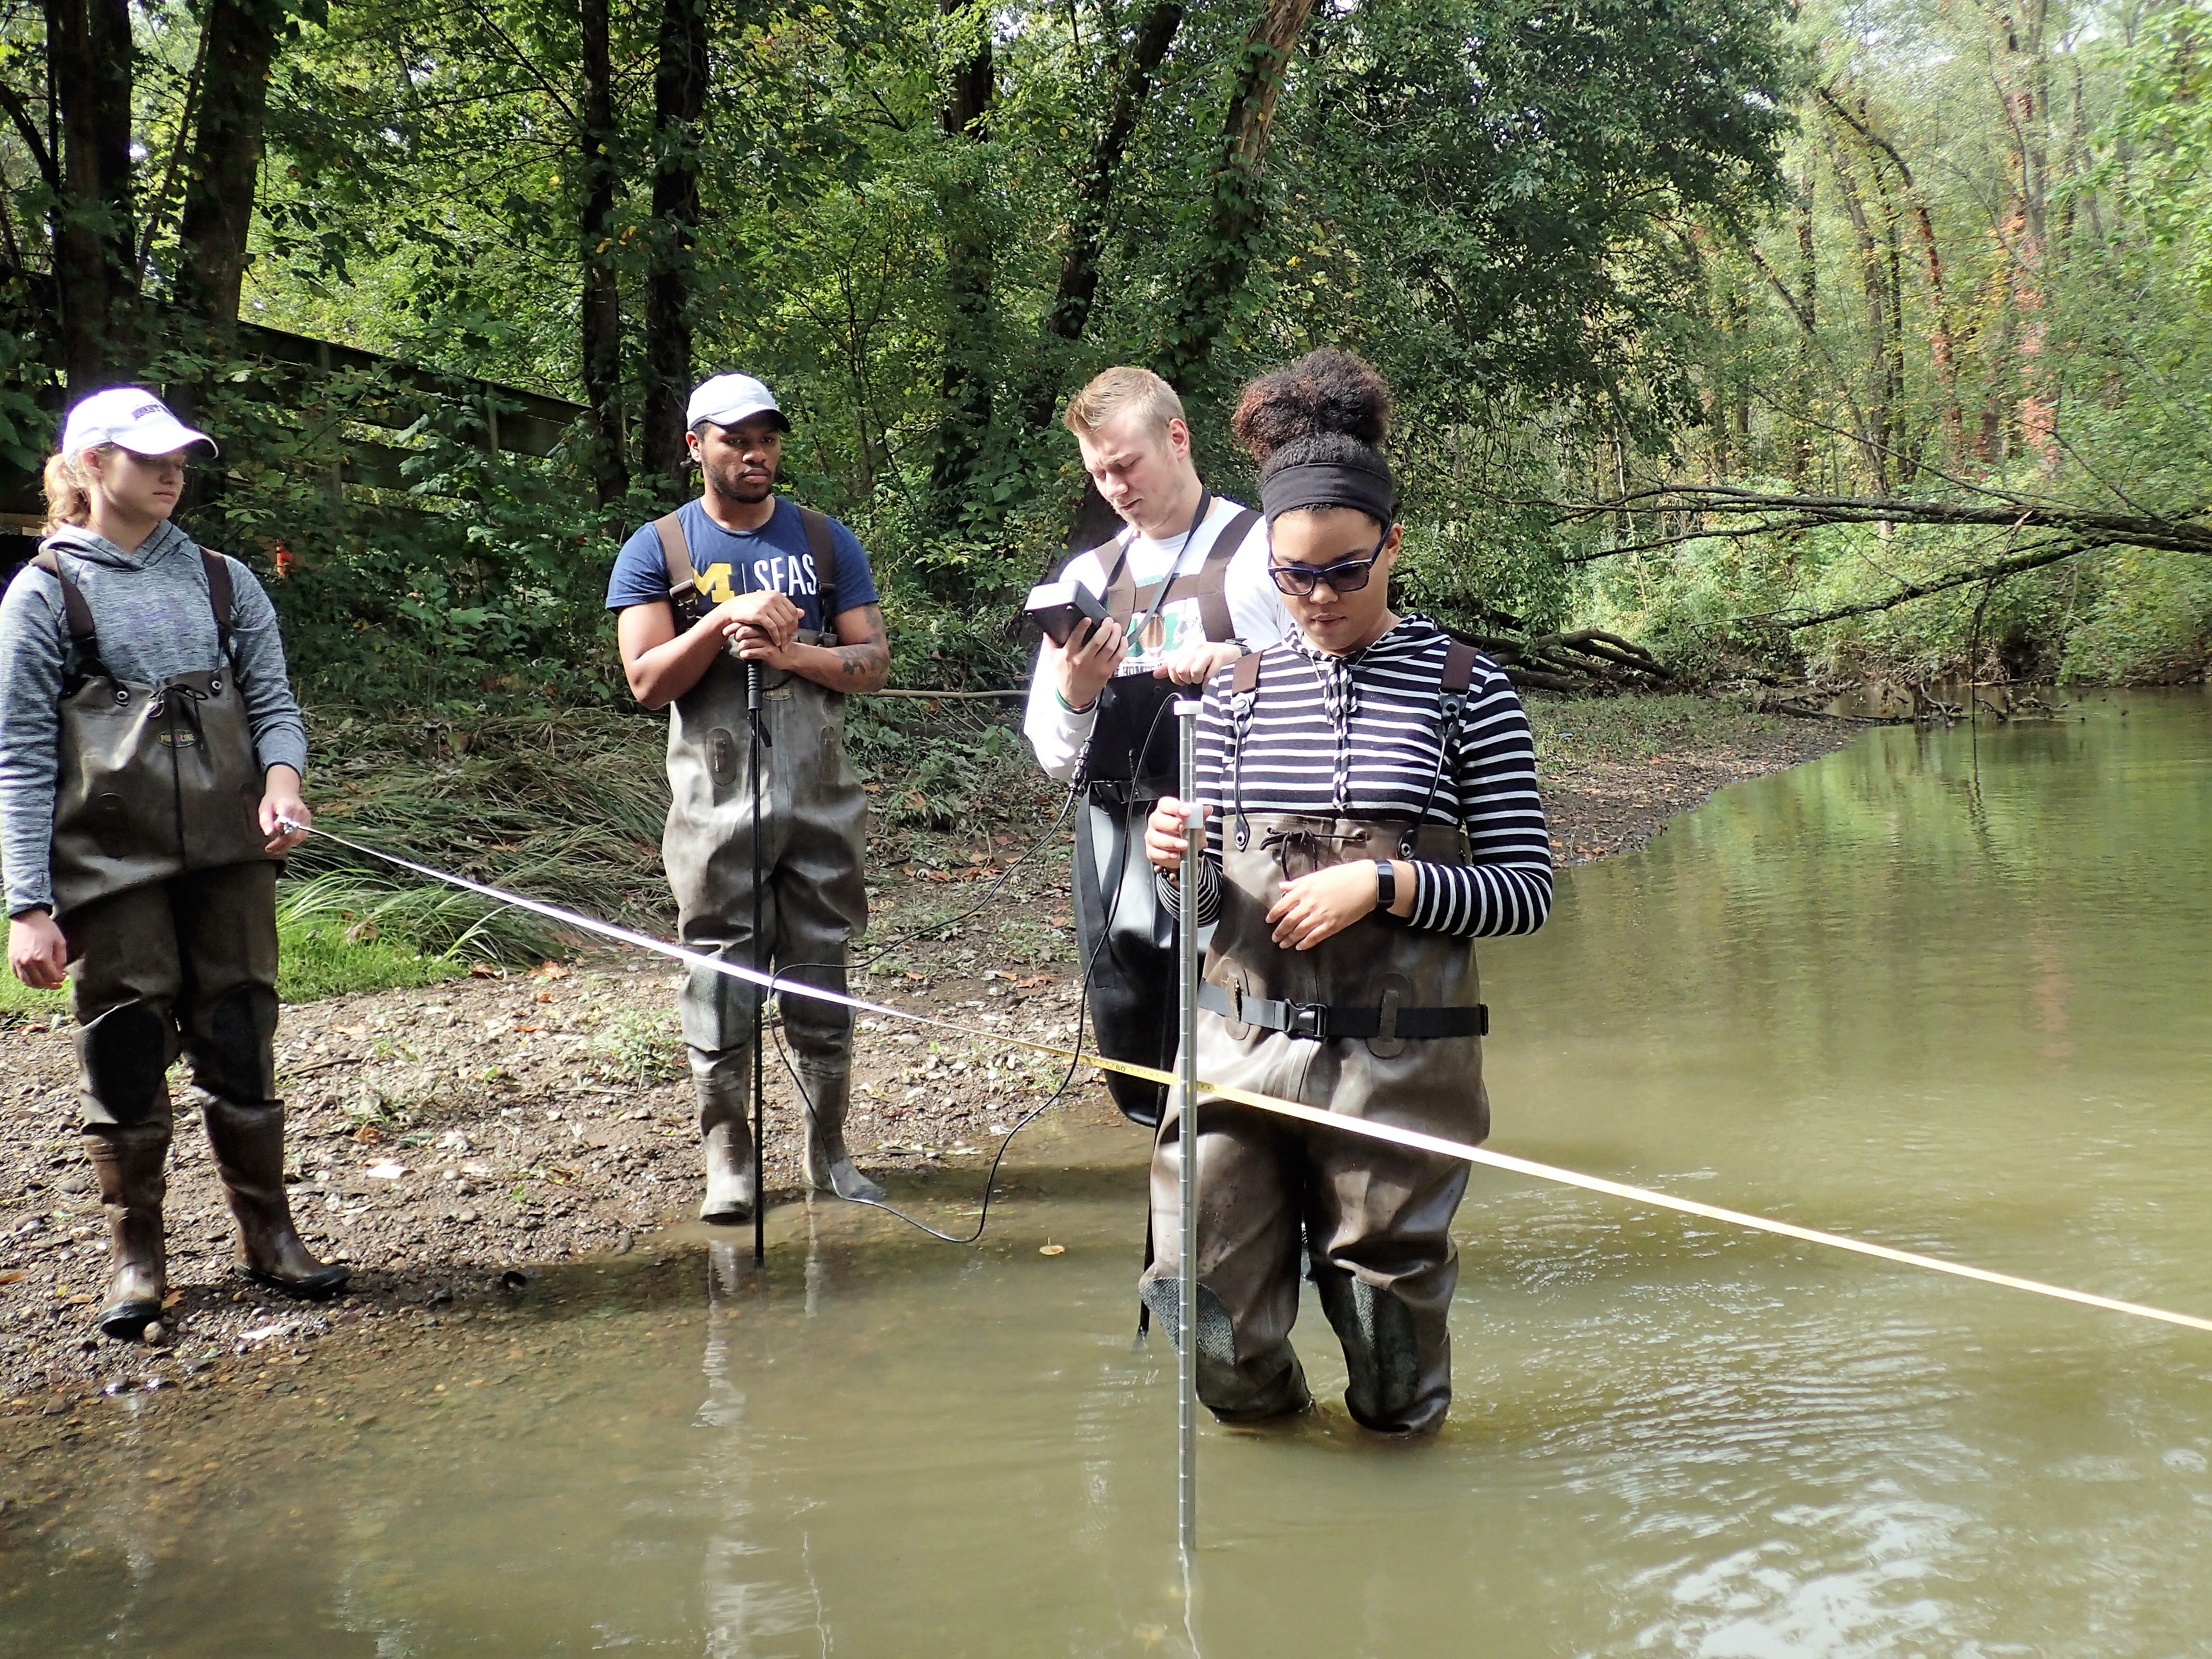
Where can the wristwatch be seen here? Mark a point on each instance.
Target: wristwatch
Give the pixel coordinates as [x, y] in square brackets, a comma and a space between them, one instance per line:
[1386, 884]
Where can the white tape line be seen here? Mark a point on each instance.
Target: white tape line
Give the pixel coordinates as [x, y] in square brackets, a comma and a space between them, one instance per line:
[1414, 1139]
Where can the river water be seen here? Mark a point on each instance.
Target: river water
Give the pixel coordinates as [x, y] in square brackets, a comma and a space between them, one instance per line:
[1945, 990]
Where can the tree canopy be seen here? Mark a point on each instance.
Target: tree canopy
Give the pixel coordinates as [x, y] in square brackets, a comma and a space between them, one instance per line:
[1603, 249]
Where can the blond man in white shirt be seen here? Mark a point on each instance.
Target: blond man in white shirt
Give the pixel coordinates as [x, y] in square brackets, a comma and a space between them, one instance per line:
[1186, 586]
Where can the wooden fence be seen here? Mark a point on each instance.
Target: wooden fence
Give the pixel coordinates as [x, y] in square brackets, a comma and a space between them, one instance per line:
[299, 372]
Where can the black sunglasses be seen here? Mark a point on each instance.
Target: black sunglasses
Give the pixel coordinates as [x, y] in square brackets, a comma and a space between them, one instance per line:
[1345, 576]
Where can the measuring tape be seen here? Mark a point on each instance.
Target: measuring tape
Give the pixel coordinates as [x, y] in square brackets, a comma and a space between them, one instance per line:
[1414, 1139]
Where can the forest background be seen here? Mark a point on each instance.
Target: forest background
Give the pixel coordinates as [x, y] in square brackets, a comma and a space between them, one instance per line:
[1786, 341]
[1721, 325]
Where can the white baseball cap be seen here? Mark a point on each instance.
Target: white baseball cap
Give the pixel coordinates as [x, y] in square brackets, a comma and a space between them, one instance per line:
[130, 416]
[728, 400]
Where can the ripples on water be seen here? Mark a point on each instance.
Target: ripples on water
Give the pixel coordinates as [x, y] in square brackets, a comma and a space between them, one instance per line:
[1944, 990]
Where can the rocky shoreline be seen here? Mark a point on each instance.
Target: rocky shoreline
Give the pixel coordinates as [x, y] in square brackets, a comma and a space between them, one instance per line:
[450, 1141]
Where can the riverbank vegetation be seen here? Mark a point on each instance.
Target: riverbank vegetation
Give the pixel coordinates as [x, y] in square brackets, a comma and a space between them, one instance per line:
[1732, 341]
[441, 276]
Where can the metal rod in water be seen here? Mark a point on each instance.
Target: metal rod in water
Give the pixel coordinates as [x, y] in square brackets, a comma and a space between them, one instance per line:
[1194, 853]
[760, 966]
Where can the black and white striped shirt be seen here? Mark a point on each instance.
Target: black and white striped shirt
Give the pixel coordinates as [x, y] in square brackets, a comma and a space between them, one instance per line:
[1358, 736]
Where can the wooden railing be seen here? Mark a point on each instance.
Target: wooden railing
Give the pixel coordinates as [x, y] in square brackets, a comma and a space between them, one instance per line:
[499, 418]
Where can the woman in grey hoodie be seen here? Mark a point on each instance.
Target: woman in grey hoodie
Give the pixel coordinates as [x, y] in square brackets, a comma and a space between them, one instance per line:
[150, 762]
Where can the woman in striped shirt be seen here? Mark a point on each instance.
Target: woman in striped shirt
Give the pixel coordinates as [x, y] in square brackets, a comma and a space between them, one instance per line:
[1369, 787]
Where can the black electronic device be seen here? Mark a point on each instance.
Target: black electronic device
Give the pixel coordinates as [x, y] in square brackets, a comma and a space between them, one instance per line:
[1057, 607]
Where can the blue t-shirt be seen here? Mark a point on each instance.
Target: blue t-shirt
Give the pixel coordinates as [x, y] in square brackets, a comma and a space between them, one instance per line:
[774, 555]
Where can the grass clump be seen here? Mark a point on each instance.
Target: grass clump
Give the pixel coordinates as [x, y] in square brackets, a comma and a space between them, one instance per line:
[324, 949]
[1636, 728]
[567, 810]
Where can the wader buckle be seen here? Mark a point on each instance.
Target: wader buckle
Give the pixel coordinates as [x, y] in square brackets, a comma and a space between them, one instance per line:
[1306, 1020]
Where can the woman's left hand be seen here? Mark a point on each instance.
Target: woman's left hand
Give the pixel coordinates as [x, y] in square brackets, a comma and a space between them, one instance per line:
[281, 805]
[1321, 905]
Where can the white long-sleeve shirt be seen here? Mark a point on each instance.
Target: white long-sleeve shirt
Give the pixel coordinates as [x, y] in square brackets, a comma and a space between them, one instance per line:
[1254, 608]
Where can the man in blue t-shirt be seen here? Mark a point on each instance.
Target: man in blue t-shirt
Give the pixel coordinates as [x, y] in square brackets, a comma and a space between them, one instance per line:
[739, 577]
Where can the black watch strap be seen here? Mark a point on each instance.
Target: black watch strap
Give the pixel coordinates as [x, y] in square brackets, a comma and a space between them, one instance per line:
[1386, 885]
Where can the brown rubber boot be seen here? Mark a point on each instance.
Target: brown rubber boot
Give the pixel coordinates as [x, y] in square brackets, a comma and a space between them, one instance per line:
[249, 1150]
[727, 1143]
[131, 1165]
[828, 1166]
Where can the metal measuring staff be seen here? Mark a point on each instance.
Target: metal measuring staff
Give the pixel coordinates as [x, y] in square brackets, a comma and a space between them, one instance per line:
[1194, 853]
[760, 966]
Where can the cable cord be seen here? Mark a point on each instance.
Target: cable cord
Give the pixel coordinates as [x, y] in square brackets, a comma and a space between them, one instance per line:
[1082, 1016]
[991, 1179]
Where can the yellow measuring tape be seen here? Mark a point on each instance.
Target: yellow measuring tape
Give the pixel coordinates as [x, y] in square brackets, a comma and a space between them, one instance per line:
[1411, 1139]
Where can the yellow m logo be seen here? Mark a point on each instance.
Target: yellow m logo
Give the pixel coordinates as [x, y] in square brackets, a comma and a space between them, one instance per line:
[714, 582]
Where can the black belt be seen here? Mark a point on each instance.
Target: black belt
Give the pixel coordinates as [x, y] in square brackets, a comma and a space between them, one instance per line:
[1320, 1021]
[1127, 792]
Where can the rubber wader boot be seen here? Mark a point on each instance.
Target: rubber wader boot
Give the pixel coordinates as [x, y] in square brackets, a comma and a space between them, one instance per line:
[249, 1150]
[131, 1164]
[828, 1165]
[728, 1142]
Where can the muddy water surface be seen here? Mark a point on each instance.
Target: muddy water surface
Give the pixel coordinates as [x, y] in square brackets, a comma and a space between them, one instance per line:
[1943, 990]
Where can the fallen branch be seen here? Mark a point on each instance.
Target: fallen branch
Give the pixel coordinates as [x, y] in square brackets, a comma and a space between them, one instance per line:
[1586, 659]
[2189, 533]
[2045, 553]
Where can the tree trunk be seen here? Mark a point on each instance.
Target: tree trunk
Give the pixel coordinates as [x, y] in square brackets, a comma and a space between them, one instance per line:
[1874, 422]
[1807, 310]
[1069, 314]
[225, 167]
[679, 98]
[1941, 344]
[602, 296]
[965, 380]
[1237, 209]
[89, 56]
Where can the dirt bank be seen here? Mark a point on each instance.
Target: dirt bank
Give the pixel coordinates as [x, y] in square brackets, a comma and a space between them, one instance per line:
[447, 1141]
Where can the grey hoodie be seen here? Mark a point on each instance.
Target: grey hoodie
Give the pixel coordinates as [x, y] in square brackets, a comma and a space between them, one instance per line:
[154, 618]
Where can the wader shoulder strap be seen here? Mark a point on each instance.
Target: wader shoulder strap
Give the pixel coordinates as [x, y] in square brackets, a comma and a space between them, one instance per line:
[824, 550]
[220, 599]
[1245, 691]
[82, 634]
[1452, 683]
[1209, 583]
[1120, 598]
[676, 554]
[80, 661]
[1459, 667]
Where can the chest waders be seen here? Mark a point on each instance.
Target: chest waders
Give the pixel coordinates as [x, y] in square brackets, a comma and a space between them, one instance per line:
[165, 893]
[1126, 937]
[807, 841]
[1377, 1022]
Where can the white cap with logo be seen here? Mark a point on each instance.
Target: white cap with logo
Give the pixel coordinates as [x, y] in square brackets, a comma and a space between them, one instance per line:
[130, 417]
[730, 399]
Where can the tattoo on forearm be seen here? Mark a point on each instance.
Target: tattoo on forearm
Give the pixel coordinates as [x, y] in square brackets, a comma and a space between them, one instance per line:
[858, 661]
[865, 658]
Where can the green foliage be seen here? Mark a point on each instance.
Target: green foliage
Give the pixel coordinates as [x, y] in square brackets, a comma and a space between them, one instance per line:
[1571, 731]
[2144, 618]
[1486, 197]
[1988, 276]
[329, 944]
[567, 807]
[327, 950]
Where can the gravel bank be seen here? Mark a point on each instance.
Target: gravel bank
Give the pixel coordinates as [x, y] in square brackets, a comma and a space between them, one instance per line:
[448, 1141]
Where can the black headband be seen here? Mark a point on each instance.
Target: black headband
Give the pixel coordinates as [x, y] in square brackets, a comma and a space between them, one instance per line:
[1365, 485]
